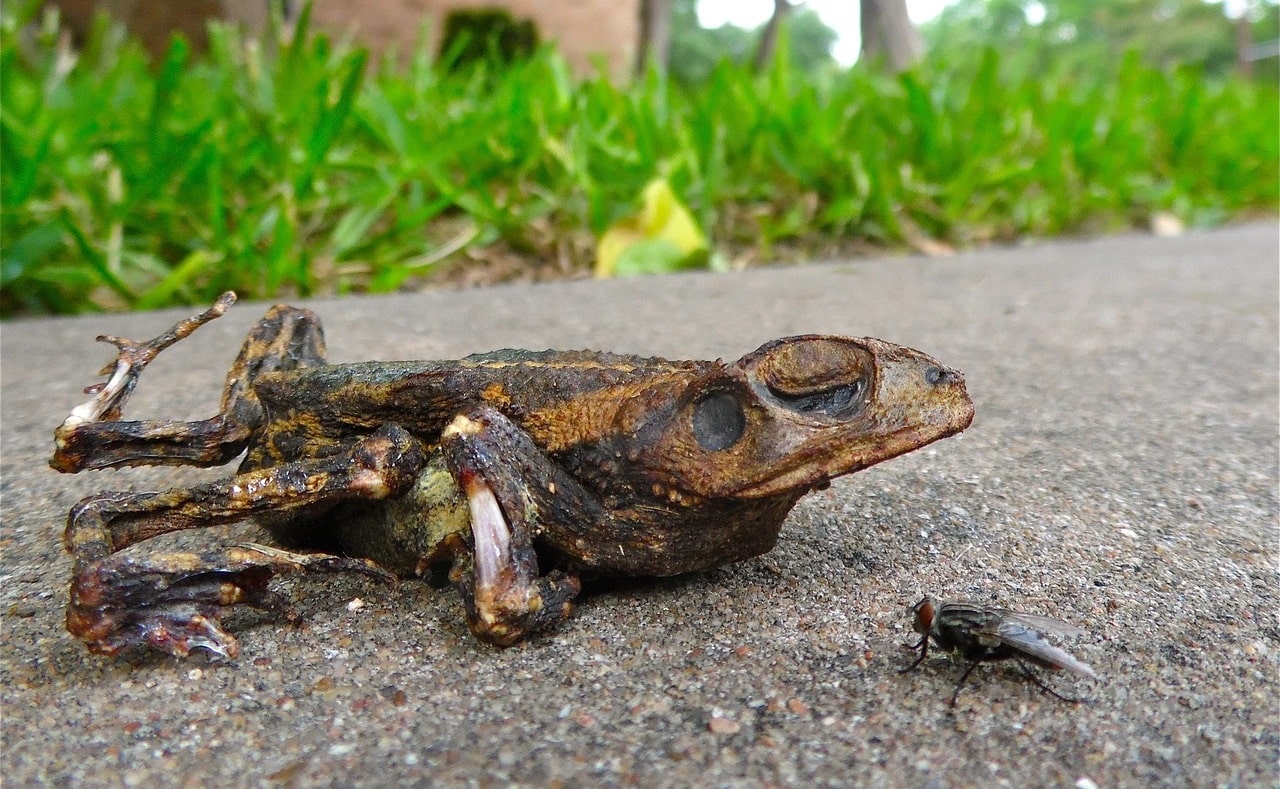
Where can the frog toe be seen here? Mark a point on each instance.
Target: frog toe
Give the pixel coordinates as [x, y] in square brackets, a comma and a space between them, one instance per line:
[174, 602]
[176, 629]
[112, 611]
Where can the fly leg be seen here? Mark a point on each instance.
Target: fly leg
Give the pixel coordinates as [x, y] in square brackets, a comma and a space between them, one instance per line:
[1031, 675]
[173, 601]
[514, 493]
[956, 693]
[94, 436]
[923, 646]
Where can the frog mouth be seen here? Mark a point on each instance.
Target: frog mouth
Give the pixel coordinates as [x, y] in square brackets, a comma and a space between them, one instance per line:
[801, 474]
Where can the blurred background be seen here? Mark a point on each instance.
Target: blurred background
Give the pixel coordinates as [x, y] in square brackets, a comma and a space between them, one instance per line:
[691, 36]
[158, 153]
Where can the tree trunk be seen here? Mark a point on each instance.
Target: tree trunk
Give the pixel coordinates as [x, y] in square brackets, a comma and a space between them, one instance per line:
[889, 35]
[769, 35]
[1244, 43]
[655, 35]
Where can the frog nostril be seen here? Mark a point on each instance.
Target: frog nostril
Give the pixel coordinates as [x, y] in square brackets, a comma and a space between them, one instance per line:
[940, 376]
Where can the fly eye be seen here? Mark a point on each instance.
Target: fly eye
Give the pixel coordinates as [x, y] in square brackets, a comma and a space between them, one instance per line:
[835, 401]
[923, 613]
[718, 421]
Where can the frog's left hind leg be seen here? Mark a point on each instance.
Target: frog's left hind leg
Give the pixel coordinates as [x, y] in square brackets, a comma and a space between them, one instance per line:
[94, 436]
[172, 601]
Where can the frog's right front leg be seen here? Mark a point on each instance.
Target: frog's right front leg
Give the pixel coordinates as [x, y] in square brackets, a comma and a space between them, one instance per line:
[172, 601]
[514, 492]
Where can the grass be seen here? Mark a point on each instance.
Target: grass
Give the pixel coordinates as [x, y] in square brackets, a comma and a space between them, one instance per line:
[308, 170]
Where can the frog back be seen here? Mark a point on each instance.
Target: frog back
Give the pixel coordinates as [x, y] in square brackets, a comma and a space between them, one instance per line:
[561, 397]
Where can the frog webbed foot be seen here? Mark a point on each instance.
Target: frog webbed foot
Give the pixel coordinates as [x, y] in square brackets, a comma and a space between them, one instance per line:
[174, 602]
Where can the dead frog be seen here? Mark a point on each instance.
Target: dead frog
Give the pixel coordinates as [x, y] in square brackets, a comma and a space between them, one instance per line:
[521, 470]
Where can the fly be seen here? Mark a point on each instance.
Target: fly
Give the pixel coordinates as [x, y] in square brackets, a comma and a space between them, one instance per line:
[979, 634]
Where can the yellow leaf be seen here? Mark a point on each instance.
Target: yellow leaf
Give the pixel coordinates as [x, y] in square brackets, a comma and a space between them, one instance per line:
[662, 217]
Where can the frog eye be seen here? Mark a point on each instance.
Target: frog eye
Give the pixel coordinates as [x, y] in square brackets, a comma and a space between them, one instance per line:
[835, 401]
[823, 376]
[718, 421]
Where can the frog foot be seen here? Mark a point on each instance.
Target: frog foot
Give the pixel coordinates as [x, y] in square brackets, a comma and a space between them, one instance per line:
[174, 602]
[505, 599]
[108, 398]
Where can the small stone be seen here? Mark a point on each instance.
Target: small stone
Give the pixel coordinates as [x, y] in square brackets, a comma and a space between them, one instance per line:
[24, 609]
[798, 707]
[355, 605]
[721, 725]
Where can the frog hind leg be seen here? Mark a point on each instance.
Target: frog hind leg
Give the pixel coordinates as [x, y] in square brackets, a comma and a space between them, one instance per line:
[172, 601]
[93, 436]
[497, 575]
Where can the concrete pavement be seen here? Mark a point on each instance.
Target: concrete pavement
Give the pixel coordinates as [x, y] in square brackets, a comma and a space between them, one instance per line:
[1121, 475]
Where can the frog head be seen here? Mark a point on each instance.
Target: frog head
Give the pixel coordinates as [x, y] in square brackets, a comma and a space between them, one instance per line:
[798, 412]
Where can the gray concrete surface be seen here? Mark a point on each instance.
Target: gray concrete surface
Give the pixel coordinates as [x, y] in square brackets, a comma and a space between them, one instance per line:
[1121, 474]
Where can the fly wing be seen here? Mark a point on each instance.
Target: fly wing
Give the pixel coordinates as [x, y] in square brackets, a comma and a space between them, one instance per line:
[1044, 624]
[1022, 632]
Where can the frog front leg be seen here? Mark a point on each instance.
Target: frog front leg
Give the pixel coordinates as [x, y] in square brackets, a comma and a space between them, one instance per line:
[514, 493]
[173, 601]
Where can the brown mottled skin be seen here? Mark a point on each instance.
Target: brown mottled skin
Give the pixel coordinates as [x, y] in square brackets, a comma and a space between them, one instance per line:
[523, 470]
